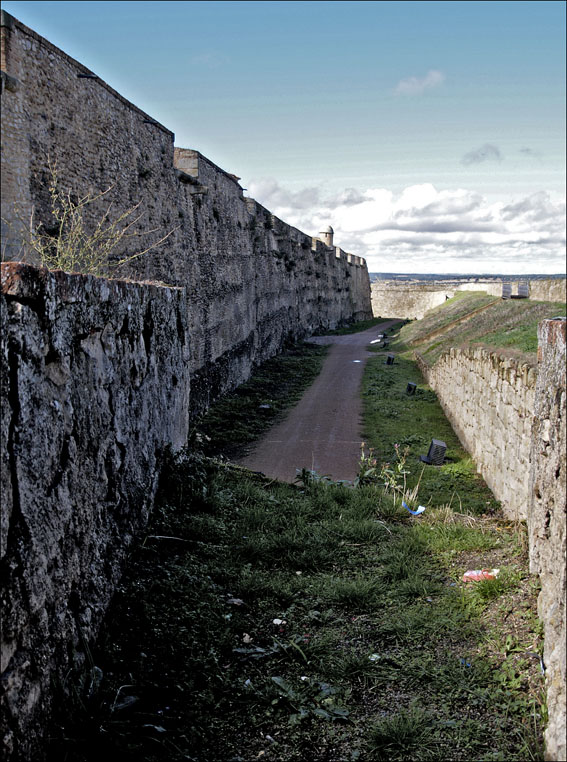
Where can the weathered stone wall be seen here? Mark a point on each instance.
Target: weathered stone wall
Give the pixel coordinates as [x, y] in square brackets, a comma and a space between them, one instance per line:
[252, 281]
[511, 418]
[392, 298]
[548, 290]
[95, 384]
[546, 521]
[489, 401]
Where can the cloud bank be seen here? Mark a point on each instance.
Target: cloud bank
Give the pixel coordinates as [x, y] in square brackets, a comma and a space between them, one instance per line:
[416, 86]
[423, 229]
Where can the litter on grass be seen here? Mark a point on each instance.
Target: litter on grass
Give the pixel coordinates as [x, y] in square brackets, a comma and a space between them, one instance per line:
[475, 575]
[419, 510]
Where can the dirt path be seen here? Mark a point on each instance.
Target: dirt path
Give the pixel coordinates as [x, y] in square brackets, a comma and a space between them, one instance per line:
[322, 432]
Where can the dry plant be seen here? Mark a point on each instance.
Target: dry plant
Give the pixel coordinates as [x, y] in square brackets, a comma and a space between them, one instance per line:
[73, 247]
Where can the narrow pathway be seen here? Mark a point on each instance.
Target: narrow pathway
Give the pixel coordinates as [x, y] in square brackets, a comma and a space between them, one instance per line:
[322, 432]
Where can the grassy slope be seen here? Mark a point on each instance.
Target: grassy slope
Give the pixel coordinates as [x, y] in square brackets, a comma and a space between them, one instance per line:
[504, 324]
[381, 651]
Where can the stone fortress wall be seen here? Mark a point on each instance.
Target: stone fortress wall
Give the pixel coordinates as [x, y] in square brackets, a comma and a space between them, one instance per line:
[489, 401]
[511, 418]
[411, 300]
[252, 281]
[95, 386]
[96, 373]
[547, 522]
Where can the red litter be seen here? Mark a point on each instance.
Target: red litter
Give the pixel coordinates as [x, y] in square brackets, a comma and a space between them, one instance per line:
[475, 575]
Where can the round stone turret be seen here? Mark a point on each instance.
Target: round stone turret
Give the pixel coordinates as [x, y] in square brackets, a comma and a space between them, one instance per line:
[327, 235]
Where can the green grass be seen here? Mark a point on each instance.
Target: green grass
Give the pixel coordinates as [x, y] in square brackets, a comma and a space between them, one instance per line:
[261, 620]
[509, 325]
[391, 417]
[301, 614]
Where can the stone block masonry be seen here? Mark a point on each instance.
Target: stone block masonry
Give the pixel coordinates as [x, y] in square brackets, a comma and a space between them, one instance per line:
[511, 418]
[489, 401]
[546, 521]
[95, 386]
[391, 298]
[252, 281]
[96, 373]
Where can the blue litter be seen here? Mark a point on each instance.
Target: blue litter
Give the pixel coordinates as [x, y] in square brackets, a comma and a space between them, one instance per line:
[419, 510]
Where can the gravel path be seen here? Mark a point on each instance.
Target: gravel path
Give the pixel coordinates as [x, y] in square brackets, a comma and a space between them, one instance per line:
[322, 432]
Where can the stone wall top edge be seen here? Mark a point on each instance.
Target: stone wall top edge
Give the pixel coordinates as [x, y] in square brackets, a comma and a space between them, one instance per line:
[212, 165]
[16, 24]
[23, 280]
[553, 331]
[471, 352]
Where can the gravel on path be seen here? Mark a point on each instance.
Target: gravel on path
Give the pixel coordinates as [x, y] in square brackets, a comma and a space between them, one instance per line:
[322, 432]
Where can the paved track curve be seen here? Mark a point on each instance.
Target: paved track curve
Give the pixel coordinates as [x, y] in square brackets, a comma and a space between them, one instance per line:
[323, 431]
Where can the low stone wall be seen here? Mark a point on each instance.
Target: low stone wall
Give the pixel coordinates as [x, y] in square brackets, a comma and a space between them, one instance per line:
[548, 290]
[546, 521]
[95, 384]
[411, 301]
[408, 302]
[489, 401]
[511, 418]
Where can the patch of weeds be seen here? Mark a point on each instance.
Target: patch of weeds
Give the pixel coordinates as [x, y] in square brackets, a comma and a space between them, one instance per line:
[359, 593]
[450, 539]
[488, 589]
[405, 734]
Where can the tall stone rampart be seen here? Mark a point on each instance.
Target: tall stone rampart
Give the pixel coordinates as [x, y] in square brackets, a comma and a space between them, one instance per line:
[252, 281]
[489, 401]
[547, 518]
[95, 386]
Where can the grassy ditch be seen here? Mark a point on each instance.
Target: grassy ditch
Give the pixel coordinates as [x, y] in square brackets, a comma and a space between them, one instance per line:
[320, 622]
[398, 428]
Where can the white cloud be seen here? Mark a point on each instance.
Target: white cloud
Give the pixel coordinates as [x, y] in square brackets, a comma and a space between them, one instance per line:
[416, 86]
[423, 229]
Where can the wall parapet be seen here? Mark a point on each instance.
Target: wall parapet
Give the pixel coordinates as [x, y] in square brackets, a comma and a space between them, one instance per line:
[95, 386]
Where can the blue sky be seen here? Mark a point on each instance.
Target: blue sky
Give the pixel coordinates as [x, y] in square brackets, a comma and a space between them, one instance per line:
[431, 135]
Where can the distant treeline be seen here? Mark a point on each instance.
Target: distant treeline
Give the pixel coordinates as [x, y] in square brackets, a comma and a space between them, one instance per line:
[454, 277]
